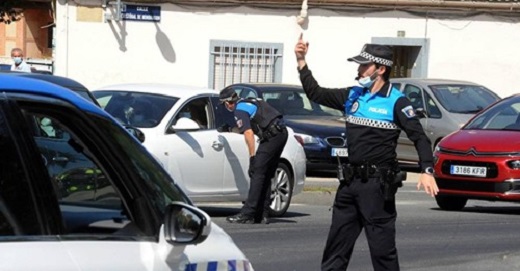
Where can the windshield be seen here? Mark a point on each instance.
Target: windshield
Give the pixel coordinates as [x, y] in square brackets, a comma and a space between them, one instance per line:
[465, 99]
[137, 109]
[504, 115]
[296, 103]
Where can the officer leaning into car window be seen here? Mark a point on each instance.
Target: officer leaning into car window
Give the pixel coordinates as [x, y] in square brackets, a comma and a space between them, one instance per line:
[375, 113]
[256, 117]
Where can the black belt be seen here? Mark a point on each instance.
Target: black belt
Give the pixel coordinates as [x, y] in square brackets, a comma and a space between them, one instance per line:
[275, 128]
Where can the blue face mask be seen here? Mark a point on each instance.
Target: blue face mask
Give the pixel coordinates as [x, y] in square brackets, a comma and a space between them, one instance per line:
[17, 60]
[367, 81]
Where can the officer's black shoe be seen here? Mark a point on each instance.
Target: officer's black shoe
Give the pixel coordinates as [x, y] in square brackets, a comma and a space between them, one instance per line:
[265, 220]
[241, 218]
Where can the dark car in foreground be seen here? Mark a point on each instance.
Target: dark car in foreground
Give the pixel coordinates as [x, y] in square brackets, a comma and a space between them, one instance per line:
[112, 196]
[481, 160]
[443, 106]
[320, 129]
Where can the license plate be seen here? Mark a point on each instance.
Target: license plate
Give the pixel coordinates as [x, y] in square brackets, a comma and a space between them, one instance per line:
[341, 152]
[468, 171]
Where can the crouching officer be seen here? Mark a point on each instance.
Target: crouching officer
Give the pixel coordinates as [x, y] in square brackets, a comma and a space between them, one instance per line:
[375, 114]
[256, 117]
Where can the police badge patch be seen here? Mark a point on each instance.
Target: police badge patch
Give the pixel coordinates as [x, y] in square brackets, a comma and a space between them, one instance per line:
[408, 111]
[354, 107]
[239, 123]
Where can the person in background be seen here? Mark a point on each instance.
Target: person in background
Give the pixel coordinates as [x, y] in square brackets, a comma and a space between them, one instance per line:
[256, 117]
[19, 63]
[375, 112]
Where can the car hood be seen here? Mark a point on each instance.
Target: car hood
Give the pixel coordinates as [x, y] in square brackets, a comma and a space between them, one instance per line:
[316, 126]
[482, 141]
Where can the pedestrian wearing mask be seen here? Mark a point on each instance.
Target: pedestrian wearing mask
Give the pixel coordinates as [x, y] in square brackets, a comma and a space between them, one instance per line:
[256, 117]
[19, 63]
[375, 112]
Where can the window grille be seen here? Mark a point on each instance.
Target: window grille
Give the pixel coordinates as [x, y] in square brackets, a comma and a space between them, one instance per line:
[233, 62]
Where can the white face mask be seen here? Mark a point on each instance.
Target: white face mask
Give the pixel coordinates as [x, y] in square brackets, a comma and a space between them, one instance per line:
[367, 81]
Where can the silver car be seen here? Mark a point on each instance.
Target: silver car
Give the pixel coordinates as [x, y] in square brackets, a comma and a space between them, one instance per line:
[443, 106]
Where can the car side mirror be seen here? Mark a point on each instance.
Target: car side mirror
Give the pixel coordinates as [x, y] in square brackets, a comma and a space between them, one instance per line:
[136, 133]
[185, 124]
[185, 224]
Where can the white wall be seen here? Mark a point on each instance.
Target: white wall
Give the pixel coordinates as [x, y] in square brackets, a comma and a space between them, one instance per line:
[176, 50]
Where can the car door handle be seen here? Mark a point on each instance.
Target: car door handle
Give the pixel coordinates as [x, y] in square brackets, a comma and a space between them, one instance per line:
[217, 144]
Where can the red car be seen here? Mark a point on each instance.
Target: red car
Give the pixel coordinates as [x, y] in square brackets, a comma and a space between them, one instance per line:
[482, 159]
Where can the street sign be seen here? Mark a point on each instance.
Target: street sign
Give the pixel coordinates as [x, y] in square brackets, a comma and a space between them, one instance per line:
[141, 13]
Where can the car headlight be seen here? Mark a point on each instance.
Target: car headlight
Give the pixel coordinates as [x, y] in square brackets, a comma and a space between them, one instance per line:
[514, 164]
[306, 139]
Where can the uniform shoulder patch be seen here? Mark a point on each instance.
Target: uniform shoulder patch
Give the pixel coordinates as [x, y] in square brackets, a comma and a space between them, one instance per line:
[239, 123]
[408, 111]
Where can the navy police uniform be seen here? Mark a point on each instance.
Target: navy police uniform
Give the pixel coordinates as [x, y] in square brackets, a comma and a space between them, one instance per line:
[267, 123]
[373, 123]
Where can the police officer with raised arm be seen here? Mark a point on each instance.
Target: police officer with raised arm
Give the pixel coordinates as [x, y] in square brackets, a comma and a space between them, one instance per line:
[256, 117]
[375, 112]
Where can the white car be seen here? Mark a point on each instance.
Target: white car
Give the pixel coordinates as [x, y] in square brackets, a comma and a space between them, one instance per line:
[77, 192]
[180, 126]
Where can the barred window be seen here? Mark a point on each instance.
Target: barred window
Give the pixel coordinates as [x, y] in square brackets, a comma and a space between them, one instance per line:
[240, 62]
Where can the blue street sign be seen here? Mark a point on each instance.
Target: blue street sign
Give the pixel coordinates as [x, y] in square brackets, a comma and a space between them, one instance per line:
[141, 13]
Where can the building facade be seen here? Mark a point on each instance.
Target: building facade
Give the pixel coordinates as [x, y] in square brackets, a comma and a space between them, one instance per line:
[191, 43]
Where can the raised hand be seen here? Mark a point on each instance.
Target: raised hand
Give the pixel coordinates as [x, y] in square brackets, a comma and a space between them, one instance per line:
[301, 49]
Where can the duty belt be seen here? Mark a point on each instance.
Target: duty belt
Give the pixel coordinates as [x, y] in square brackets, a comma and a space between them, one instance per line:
[274, 129]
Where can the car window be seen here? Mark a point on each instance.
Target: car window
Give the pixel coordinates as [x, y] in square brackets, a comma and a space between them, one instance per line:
[463, 98]
[432, 108]
[197, 110]
[414, 94]
[95, 194]
[142, 110]
[17, 213]
[245, 92]
[502, 116]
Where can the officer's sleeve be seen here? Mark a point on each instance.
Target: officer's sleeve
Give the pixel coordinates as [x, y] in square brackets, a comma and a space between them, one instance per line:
[331, 97]
[243, 121]
[405, 117]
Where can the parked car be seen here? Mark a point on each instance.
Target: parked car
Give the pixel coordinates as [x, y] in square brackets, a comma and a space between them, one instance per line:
[321, 129]
[72, 198]
[481, 160]
[443, 106]
[180, 124]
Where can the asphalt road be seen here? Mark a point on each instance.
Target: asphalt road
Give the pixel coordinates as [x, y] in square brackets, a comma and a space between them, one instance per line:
[484, 236]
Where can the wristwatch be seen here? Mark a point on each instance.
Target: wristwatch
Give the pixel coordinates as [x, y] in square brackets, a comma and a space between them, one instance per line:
[428, 170]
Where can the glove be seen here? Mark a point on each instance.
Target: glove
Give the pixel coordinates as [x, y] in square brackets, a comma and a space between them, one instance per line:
[224, 128]
[251, 166]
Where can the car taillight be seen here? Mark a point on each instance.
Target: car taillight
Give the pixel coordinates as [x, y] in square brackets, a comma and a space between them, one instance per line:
[299, 139]
[514, 164]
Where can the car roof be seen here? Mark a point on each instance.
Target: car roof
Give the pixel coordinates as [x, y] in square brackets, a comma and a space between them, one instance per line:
[55, 79]
[180, 91]
[270, 86]
[430, 81]
[25, 84]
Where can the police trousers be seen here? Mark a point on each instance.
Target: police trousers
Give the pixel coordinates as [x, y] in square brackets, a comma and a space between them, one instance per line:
[266, 162]
[357, 206]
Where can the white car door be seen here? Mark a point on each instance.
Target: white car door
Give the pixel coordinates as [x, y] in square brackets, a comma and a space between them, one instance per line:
[197, 155]
[236, 154]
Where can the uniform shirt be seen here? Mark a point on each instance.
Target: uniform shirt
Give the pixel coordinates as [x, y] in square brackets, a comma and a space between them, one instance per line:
[244, 112]
[23, 67]
[371, 139]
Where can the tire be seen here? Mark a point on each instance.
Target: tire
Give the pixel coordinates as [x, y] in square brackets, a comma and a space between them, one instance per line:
[281, 190]
[449, 203]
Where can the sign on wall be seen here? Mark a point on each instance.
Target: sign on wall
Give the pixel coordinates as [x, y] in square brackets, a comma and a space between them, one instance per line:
[141, 13]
